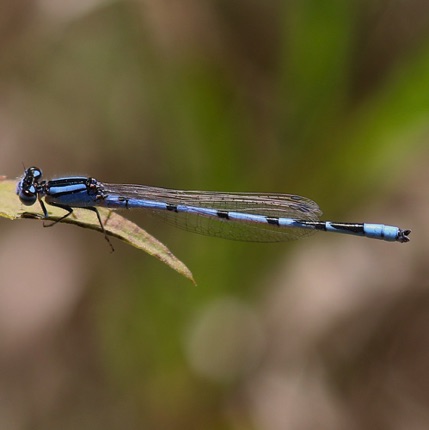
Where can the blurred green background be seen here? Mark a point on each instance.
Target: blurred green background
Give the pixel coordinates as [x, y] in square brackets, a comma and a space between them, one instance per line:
[329, 100]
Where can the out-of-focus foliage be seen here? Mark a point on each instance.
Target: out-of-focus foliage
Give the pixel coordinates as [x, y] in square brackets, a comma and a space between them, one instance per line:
[329, 100]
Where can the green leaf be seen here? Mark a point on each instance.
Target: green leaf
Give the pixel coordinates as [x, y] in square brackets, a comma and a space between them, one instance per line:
[114, 225]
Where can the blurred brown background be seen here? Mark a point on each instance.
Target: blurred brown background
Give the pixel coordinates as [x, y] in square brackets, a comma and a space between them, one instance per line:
[329, 100]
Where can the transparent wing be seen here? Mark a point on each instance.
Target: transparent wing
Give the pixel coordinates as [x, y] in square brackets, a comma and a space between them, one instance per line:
[265, 204]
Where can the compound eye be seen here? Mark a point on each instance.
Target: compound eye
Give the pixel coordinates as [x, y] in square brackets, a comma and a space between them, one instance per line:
[34, 172]
[28, 196]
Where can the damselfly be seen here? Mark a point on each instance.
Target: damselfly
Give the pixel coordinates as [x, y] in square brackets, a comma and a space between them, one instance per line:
[259, 217]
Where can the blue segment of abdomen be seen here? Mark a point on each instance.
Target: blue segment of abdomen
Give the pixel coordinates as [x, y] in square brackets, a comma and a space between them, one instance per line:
[118, 202]
[377, 231]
